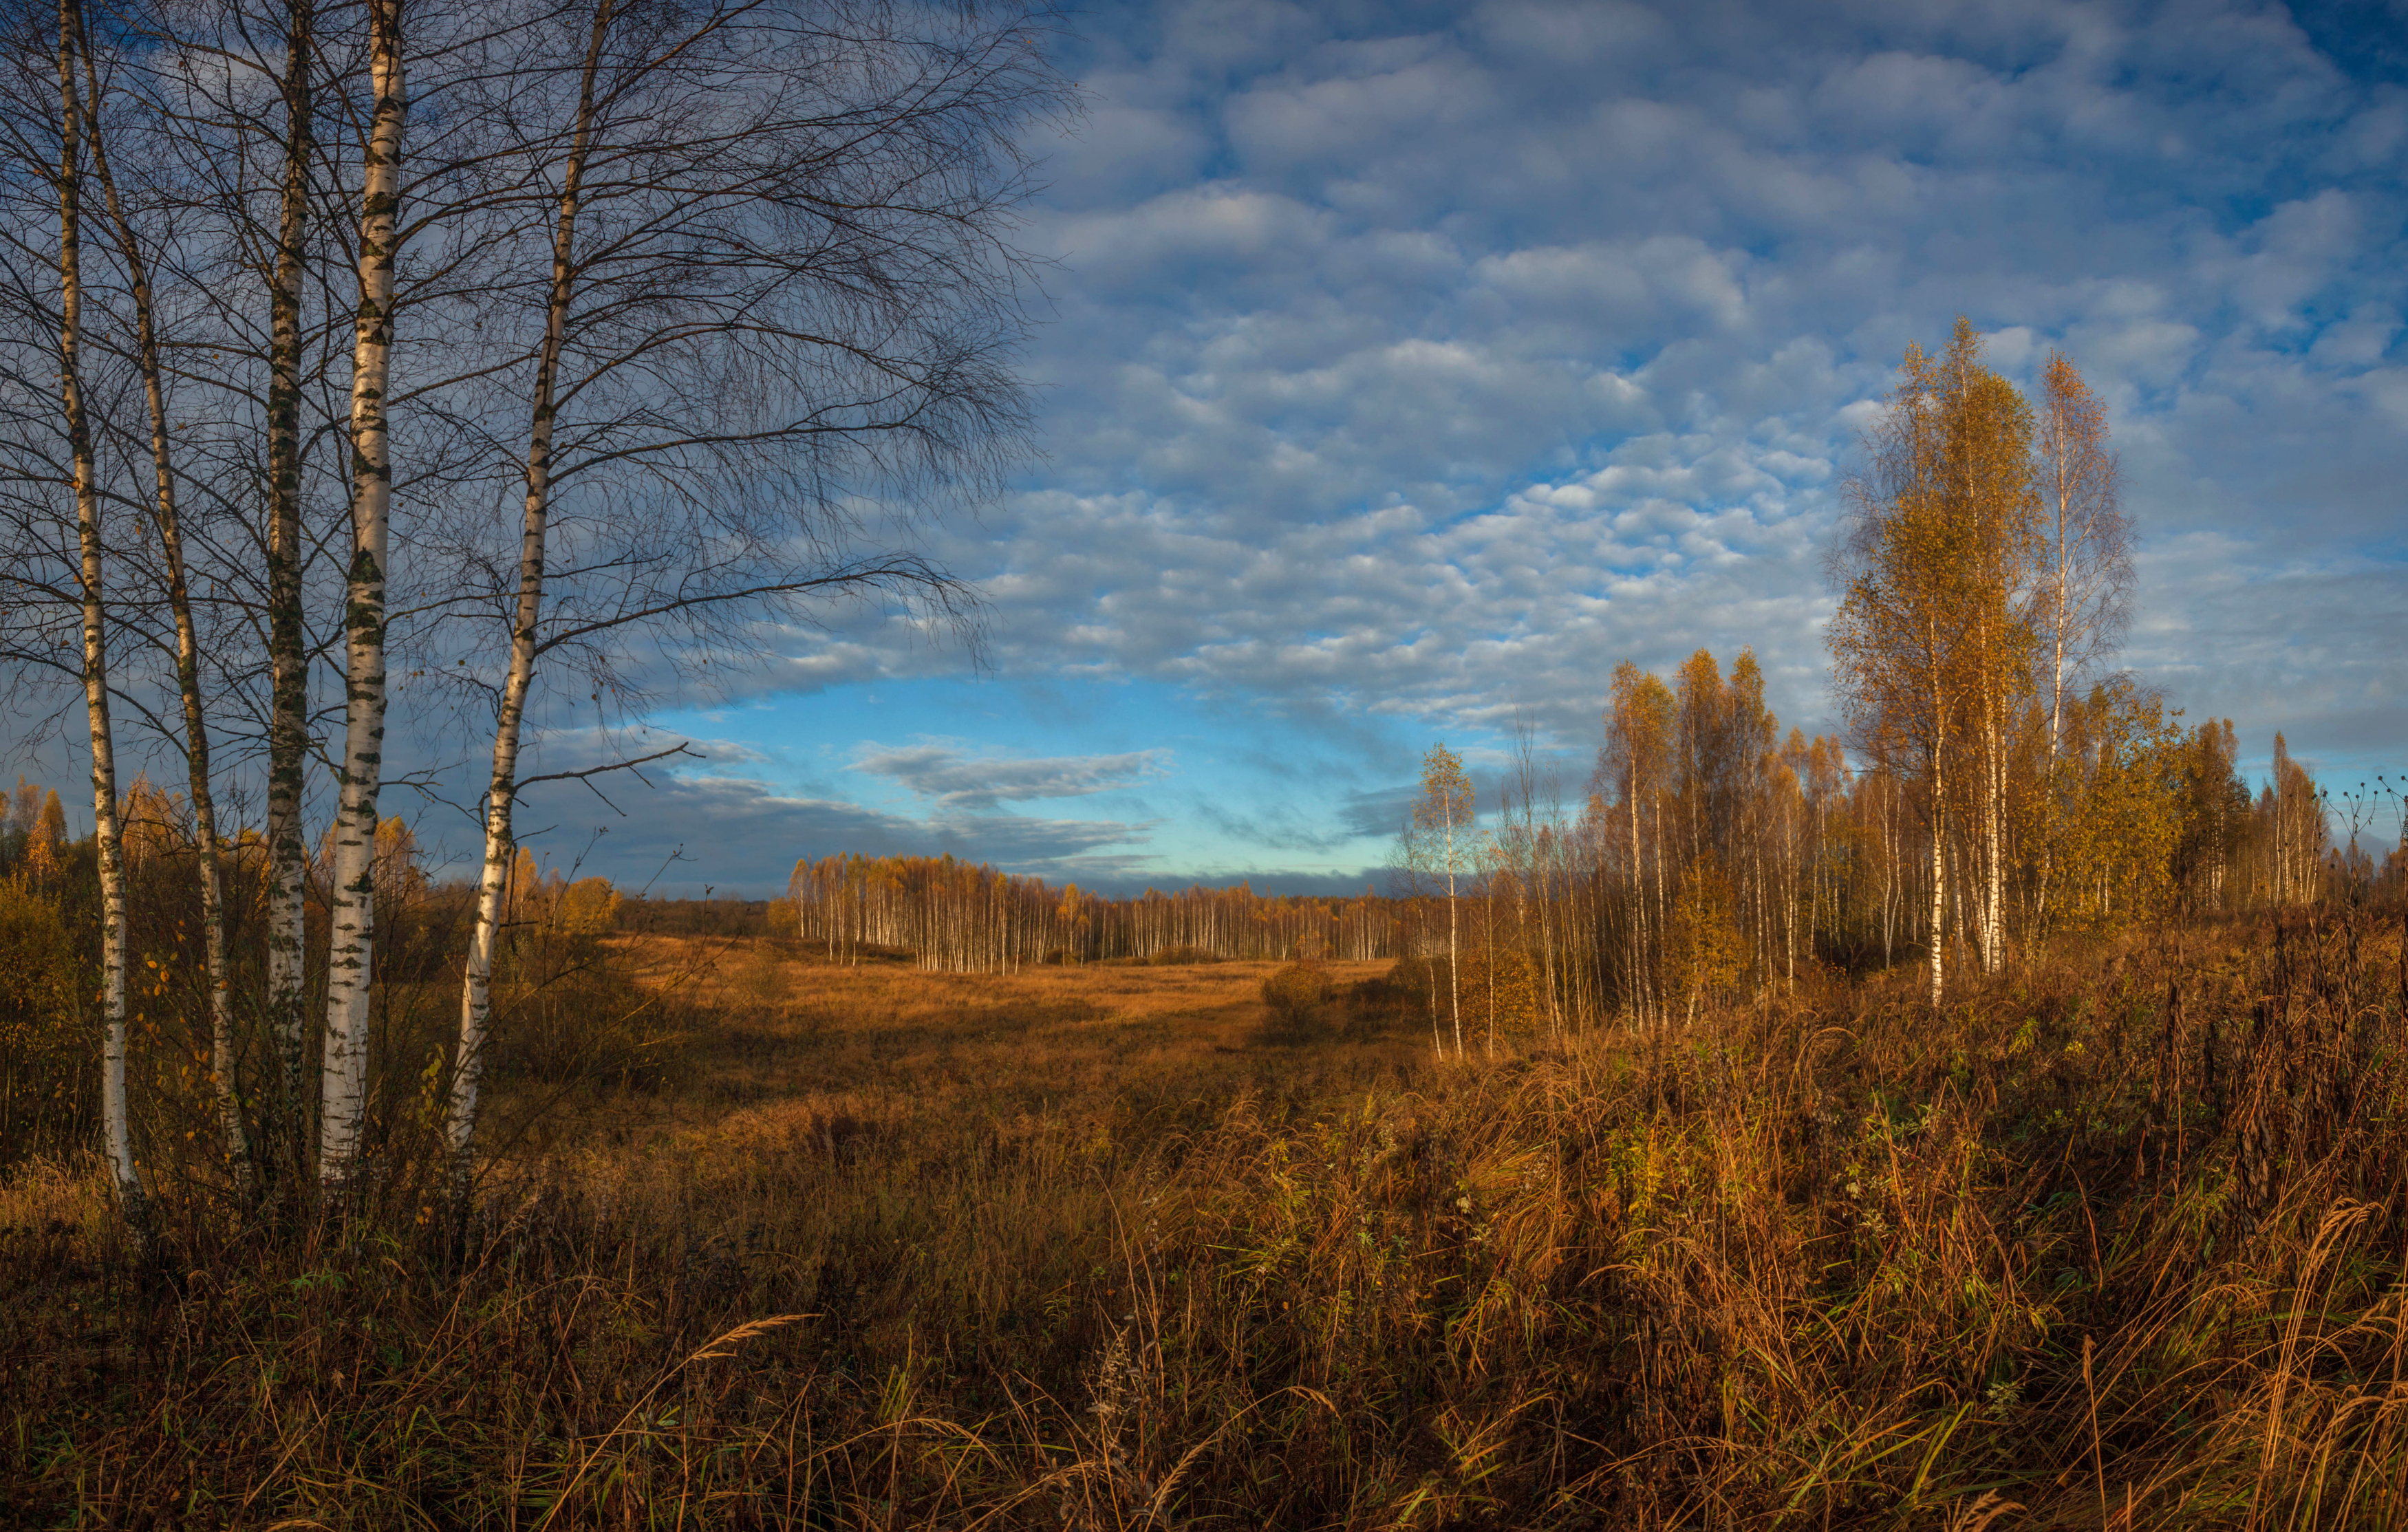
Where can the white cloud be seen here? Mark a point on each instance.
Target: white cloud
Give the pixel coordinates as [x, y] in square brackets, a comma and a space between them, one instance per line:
[957, 782]
[1407, 370]
[1509, 349]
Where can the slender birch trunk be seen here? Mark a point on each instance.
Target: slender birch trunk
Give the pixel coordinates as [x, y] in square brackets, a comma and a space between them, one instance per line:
[351, 922]
[1662, 919]
[1889, 871]
[188, 649]
[476, 996]
[117, 1136]
[288, 729]
[2057, 622]
[1438, 1039]
[1938, 839]
[1643, 993]
[1788, 863]
[1993, 934]
[1454, 979]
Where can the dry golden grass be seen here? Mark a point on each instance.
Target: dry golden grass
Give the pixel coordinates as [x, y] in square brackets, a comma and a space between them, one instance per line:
[793, 1048]
[2105, 1246]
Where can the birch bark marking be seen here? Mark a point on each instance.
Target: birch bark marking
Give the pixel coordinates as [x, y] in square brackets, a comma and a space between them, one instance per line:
[288, 738]
[1938, 883]
[1453, 978]
[351, 955]
[116, 1131]
[188, 649]
[1939, 705]
[476, 995]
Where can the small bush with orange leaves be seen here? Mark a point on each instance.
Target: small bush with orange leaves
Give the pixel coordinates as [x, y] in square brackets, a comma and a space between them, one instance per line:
[1297, 997]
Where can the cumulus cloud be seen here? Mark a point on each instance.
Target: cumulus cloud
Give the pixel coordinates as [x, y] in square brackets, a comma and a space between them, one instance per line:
[1421, 366]
[959, 782]
[1492, 350]
[1406, 368]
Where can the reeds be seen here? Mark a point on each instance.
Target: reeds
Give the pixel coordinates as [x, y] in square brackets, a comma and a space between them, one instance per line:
[2104, 1246]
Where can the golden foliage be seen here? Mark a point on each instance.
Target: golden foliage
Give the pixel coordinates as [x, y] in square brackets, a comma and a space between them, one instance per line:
[1705, 954]
[150, 824]
[45, 1052]
[2113, 812]
[1296, 994]
[587, 906]
[1501, 994]
[46, 832]
[25, 807]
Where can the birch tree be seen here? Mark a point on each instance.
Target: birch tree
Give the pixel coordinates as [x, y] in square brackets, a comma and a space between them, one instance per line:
[1634, 766]
[710, 423]
[1439, 846]
[288, 729]
[167, 522]
[1930, 643]
[1988, 487]
[2087, 577]
[117, 1132]
[353, 918]
[1897, 637]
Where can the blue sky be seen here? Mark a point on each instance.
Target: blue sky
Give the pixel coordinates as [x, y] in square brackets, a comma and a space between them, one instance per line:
[1403, 368]
[1408, 367]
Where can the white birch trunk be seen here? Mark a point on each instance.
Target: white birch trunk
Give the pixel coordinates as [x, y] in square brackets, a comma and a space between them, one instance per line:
[1998, 849]
[1939, 870]
[2057, 634]
[1638, 996]
[476, 994]
[288, 738]
[351, 942]
[1453, 980]
[1662, 921]
[116, 1123]
[188, 651]
[1889, 871]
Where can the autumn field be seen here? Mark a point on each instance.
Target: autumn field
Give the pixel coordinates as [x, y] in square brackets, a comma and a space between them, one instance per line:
[2117, 1241]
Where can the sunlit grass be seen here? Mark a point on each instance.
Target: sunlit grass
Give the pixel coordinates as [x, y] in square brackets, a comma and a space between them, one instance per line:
[1105, 1247]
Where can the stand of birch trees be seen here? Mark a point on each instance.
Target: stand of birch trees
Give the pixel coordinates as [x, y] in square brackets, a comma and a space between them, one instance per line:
[961, 917]
[391, 379]
[1713, 859]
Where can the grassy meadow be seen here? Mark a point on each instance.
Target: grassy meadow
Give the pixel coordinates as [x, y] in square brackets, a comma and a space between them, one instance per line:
[767, 1241]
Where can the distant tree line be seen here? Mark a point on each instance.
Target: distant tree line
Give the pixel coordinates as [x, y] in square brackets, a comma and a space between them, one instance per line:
[965, 917]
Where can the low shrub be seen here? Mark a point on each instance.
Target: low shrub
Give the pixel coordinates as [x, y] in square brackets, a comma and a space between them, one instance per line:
[49, 1058]
[1297, 997]
[1172, 957]
[565, 1012]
